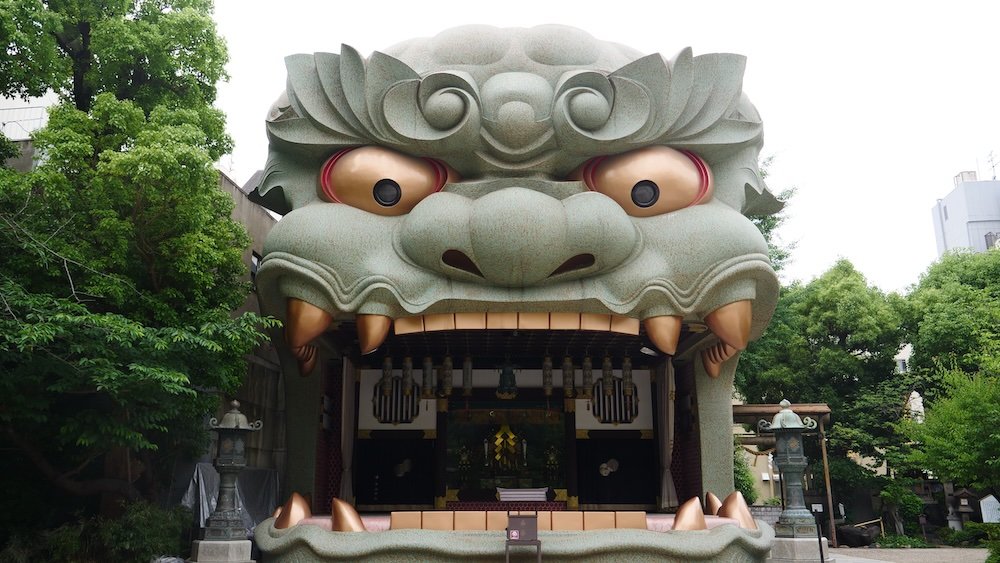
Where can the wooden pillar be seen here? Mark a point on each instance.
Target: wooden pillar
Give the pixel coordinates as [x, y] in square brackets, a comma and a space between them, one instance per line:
[441, 455]
[826, 477]
[572, 485]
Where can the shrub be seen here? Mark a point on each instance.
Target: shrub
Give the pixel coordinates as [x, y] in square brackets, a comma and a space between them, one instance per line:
[743, 477]
[893, 541]
[142, 532]
[772, 501]
[145, 531]
[991, 541]
[970, 536]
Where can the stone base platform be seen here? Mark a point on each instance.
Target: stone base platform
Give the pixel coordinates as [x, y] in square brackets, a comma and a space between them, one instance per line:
[208, 551]
[798, 550]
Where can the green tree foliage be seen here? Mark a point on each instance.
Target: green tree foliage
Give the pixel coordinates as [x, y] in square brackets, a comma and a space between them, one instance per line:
[119, 261]
[900, 502]
[768, 225]
[953, 317]
[152, 51]
[958, 439]
[833, 341]
[144, 532]
[743, 476]
[8, 149]
[31, 63]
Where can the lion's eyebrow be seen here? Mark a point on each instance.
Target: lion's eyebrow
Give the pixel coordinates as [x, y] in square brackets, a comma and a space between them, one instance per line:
[337, 100]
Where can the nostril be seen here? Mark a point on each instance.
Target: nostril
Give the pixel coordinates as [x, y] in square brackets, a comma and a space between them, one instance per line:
[578, 262]
[458, 259]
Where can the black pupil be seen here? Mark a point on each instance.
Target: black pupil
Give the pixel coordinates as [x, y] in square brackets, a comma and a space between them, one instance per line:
[387, 192]
[645, 193]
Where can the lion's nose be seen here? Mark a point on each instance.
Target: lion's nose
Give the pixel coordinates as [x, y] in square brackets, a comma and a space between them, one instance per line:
[517, 237]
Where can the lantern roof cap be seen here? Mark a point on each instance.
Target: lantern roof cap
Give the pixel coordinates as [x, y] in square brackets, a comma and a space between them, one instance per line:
[786, 418]
[234, 419]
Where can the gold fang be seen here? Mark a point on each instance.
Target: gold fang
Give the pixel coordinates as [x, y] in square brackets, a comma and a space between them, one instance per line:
[344, 518]
[713, 357]
[665, 332]
[690, 516]
[372, 330]
[735, 507]
[293, 512]
[712, 504]
[305, 322]
[731, 323]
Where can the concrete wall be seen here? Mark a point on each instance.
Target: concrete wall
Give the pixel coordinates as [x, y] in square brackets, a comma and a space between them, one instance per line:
[964, 216]
[262, 394]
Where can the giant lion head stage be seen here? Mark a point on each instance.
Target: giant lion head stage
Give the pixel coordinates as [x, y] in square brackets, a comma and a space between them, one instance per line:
[489, 183]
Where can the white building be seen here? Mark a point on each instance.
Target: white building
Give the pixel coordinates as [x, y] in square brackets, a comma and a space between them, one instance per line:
[969, 216]
[18, 120]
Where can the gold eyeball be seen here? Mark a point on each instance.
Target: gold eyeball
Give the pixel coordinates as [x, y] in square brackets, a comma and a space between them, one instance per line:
[649, 181]
[380, 180]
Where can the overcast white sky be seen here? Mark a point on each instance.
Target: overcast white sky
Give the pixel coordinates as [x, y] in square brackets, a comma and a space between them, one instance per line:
[870, 108]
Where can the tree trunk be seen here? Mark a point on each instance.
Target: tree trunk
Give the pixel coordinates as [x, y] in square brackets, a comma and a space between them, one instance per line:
[892, 511]
[83, 94]
[64, 480]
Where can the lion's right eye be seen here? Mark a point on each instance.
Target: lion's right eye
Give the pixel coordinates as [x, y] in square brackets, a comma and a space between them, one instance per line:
[380, 180]
[649, 181]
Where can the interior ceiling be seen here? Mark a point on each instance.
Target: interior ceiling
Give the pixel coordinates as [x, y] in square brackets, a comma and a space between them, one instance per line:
[523, 348]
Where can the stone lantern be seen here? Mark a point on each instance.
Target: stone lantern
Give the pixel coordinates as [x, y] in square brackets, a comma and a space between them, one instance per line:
[963, 503]
[795, 521]
[224, 537]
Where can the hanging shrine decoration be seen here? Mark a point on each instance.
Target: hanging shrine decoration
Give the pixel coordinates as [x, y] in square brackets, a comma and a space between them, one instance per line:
[408, 376]
[606, 375]
[397, 403]
[627, 386]
[547, 375]
[467, 376]
[507, 388]
[386, 382]
[615, 398]
[505, 448]
[569, 377]
[428, 377]
[588, 376]
[446, 373]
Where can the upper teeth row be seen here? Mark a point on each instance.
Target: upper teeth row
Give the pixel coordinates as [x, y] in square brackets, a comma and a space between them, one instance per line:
[511, 321]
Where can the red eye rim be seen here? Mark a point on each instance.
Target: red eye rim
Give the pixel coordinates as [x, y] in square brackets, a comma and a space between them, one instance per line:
[324, 178]
[705, 177]
[440, 174]
[588, 171]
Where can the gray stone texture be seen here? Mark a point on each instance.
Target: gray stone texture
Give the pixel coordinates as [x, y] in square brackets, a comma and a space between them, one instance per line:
[207, 551]
[514, 112]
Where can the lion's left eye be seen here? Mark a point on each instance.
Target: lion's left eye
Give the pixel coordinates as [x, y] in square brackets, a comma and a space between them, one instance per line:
[649, 181]
[380, 180]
